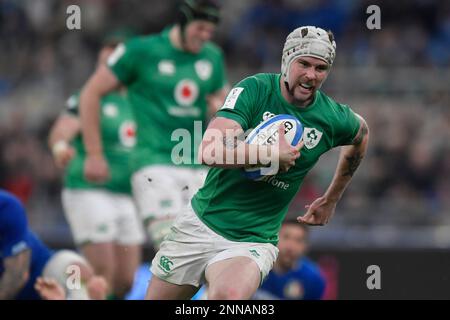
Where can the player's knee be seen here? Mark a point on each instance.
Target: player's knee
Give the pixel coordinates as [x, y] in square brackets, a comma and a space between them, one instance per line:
[104, 269]
[226, 292]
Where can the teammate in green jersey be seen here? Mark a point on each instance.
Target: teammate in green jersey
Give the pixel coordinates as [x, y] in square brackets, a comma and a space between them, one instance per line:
[102, 215]
[174, 79]
[228, 237]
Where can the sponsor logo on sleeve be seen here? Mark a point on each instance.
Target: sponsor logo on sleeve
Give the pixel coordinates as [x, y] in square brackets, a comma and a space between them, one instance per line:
[232, 98]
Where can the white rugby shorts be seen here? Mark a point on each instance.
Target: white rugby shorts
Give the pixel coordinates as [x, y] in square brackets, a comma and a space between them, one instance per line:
[98, 216]
[191, 247]
[162, 191]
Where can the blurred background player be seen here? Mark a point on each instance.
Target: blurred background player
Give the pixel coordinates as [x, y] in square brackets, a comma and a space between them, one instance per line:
[173, 78]
[293, 276]
[24, 258]
[102, 214]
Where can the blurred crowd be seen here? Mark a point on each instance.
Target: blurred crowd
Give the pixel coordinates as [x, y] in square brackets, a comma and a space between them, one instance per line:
[396, 77]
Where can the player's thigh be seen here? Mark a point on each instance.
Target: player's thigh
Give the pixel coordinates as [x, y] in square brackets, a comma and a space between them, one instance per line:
[101, 256]
[234, 278]
[162, 290]
[185, 252]
[245, 264]
[130, 232]
[127, 260]
[127, 247]
[91, 215]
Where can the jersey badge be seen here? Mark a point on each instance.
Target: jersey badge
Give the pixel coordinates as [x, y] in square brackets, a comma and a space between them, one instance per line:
[110, 110]
[166, 67]
[311, 137]
[127, 134]
[186, 92]
[203, 69]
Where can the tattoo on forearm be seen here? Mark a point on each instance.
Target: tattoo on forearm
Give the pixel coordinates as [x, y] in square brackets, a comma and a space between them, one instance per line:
[230, 142]
[361, 134]
[352, 163]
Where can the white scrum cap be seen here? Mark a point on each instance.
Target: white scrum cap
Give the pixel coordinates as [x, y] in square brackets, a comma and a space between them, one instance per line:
[307, 41]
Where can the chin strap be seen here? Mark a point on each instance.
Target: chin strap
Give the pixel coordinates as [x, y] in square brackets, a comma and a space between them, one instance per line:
[286, 84]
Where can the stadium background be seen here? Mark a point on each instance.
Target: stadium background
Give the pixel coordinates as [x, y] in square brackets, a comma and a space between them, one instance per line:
[396, 212]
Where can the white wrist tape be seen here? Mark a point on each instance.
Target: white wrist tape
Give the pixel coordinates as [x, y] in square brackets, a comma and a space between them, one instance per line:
[59, 146]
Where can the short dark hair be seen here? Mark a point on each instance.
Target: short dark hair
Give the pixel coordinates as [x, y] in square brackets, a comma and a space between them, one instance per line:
[198, 10]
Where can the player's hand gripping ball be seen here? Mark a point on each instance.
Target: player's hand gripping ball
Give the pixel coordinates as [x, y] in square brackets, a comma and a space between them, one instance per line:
[266, 133]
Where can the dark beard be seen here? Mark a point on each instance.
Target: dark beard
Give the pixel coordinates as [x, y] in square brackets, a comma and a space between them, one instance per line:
[299, 103]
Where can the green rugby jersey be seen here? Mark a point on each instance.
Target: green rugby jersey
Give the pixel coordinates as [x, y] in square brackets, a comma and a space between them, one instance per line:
[118, 133]
[245, 210]
[167, 89]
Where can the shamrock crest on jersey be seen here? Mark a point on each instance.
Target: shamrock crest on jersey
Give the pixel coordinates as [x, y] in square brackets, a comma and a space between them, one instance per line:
[203, 69]
[311, 136]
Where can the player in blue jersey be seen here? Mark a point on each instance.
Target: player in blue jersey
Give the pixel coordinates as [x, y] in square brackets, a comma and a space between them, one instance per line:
[24, 258]
[294, 276]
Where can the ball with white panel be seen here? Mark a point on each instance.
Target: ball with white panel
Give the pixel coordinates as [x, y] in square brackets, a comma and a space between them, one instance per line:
[266, 134]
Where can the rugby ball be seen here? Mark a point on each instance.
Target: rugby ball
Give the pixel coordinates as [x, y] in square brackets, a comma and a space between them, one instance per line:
[266, 133]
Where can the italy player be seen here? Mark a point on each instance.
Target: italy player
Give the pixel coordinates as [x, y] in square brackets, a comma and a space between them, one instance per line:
[24, 258]
[228, 236]
[174, 80]
[294, 276]
[102, 214]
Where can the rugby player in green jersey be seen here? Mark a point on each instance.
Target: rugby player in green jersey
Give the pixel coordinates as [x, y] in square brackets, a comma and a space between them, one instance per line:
[102, 215]
[174, 80]
[228, 237]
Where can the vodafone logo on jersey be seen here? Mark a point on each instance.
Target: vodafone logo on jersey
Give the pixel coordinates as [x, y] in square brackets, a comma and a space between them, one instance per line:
[127, 133]
[186, 92]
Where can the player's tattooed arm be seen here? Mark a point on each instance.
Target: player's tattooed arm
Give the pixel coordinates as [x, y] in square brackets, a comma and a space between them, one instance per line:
[354, 160]
[322, 209]
[223, 146]
[15, 274]
[362, 132]
[349, 160]
[230, 143]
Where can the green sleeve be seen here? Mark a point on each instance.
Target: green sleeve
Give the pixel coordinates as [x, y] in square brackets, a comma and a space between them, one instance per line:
[347, 126]
[219, 75]
[123, 61]
[241, 103]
